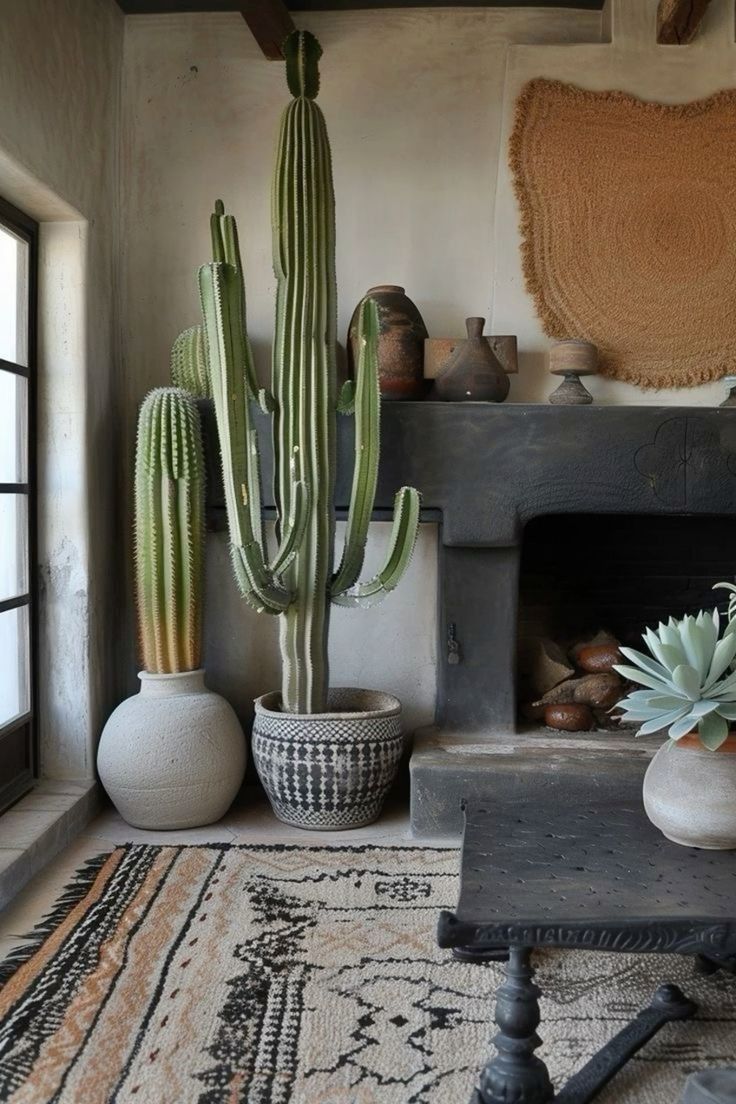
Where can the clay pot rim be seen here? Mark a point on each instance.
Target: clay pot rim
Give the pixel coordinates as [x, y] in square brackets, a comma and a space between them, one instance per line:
[691, 742]
[386, 706]
[154, 676]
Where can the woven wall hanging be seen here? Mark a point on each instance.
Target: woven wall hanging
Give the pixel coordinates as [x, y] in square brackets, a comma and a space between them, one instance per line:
[628, 220]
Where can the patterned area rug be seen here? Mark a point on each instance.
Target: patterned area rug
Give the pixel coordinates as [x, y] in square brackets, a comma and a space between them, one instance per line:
[629, 227]
[268, 975]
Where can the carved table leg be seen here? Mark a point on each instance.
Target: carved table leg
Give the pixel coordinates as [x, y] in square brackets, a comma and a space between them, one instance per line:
[515, 1075]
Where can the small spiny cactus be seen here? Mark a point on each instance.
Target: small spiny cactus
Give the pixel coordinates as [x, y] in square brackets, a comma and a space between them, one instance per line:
[169, 531]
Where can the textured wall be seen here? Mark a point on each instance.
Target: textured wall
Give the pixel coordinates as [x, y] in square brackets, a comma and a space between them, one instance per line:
[60, 65]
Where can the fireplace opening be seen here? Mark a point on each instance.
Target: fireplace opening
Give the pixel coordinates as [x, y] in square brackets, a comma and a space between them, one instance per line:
[592, 581]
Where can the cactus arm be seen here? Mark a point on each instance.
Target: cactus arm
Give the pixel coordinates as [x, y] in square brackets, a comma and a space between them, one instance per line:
[220, 295]
[253, 476]
[401, 546]
[169, 531]
[367, 445]
[293, 530]
[226, 250]
[189, 367]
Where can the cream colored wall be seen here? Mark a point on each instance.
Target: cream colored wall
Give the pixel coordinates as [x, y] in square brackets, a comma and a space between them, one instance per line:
[60, 66]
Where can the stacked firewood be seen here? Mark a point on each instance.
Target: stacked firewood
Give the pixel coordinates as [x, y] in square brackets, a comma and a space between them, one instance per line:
[576, 688]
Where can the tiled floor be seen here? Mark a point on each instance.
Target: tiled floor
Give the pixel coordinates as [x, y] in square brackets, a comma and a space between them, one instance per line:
[249, 821]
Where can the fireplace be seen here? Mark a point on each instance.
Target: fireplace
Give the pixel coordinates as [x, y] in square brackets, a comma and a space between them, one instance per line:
[610, 574]
[519, 489]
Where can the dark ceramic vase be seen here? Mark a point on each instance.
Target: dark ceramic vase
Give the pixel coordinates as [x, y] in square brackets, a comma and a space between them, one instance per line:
[400, 343]
[473, 373]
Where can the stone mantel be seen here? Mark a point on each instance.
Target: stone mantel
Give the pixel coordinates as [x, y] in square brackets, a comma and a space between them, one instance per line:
[487, 469]
[484, 471]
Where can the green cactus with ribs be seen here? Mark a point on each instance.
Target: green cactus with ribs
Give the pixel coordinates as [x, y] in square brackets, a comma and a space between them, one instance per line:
[299, 580]
[169, 531]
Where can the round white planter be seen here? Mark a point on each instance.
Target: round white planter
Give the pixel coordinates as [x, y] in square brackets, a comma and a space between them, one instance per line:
[328, 770]
[690, 793]
[174, 755]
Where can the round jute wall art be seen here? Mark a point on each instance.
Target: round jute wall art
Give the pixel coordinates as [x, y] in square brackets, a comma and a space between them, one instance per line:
[628, 218]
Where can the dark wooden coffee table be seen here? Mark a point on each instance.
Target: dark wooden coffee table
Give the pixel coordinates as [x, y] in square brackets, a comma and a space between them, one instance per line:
[577, 865]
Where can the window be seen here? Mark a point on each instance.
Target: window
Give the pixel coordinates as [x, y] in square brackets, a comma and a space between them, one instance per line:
[18, 240]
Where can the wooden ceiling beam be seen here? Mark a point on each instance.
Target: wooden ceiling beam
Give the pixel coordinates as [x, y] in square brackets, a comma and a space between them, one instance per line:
[268, 20]
[270, 23]
[678, 21]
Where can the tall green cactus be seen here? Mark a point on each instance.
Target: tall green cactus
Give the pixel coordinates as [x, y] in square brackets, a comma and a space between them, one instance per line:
[169, 531]
[299, 581]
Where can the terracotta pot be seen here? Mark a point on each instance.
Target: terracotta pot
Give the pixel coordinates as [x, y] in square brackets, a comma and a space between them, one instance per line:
[400, 343]
[690, 793]
[473, 373]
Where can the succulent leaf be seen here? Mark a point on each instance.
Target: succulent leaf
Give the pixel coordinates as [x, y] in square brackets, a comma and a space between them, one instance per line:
[713, 730]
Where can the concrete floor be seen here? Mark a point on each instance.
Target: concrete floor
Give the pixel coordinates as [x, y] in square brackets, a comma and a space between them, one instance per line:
[250, 820]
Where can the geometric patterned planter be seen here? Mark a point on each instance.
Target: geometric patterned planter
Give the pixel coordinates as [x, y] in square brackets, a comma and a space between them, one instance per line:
[328, 770]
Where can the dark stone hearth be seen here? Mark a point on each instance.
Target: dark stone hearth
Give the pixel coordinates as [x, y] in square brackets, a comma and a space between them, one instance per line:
[484, 472]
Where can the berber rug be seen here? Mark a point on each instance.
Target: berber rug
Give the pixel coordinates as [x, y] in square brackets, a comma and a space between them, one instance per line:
[302, 975]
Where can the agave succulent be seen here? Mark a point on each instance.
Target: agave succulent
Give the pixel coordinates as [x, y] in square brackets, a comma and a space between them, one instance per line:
[688, 678]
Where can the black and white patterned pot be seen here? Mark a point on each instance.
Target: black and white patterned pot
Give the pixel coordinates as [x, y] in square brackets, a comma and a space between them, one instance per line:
[328, 770]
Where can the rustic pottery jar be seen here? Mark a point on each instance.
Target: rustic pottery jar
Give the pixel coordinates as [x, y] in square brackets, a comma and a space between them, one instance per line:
[690, 793]
[172, 756]
[400, 343]
[473, 373]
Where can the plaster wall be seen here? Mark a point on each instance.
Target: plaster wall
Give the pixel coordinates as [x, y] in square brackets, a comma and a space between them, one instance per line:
[417, 102]
[60, 67]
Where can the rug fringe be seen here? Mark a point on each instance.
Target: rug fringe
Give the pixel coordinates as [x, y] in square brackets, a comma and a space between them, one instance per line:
[71, 895]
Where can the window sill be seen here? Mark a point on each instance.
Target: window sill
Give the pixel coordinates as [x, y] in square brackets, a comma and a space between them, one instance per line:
[39, 826]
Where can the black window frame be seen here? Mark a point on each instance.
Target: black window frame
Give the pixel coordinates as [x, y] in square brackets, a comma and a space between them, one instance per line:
[23, 730]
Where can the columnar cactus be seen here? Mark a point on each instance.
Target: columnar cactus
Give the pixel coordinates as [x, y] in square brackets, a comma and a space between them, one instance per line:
[189, 367]
[299, 581]
[169, 531]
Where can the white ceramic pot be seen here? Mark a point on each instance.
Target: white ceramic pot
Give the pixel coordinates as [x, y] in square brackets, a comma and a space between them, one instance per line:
[328, 770]
[690, 793]
[174, 755]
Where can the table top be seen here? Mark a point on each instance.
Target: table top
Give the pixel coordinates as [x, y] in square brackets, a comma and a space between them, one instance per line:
[577, 863]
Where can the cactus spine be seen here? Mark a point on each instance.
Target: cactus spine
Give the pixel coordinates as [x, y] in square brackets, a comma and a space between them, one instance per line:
[169, 531]
[298, 582]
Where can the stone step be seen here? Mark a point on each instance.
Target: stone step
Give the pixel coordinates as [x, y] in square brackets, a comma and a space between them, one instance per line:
[446, 768]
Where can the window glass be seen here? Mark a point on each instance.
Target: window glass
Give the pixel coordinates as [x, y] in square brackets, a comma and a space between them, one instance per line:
[13, 428]
[13, 298]
[14, 680]
[13, 547]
